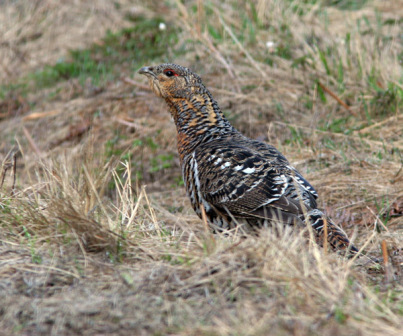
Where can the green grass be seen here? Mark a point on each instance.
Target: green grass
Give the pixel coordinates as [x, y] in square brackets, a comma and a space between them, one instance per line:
[345, 125]
[35, 257]
[81, 64]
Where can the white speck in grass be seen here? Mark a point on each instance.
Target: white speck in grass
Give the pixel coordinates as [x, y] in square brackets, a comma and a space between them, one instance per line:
[162, 26]
[270, 44]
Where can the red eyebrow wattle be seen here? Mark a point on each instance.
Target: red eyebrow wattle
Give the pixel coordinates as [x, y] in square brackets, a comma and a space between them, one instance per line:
[175, 74]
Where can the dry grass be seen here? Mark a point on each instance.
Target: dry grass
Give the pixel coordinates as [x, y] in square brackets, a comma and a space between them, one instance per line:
[34, 32]
[97, 235]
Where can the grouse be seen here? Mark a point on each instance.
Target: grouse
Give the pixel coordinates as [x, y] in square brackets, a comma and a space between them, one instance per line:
[240, 182]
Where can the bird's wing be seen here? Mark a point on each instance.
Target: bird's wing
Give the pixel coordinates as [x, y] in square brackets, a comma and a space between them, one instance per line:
[270, 151]
[247, 182]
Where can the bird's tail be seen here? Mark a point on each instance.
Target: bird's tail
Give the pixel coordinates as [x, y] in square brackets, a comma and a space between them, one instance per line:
[336, 237]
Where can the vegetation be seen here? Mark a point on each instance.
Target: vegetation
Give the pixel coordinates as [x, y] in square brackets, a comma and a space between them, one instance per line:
[97, 235]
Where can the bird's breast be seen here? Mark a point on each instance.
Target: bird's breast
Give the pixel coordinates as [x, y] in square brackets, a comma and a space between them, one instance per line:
[184, 143]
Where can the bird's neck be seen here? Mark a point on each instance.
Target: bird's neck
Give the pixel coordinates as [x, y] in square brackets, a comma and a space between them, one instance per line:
[198, 118]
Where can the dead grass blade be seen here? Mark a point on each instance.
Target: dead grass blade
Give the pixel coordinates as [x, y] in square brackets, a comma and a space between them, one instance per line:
[241, 47]
[32, 142]
[325, 240]
[205, 39]
[334, 96]
[38, 115]
[385, 260]
[204, 219]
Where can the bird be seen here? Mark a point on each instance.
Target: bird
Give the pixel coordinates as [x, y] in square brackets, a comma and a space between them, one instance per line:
[234, 181]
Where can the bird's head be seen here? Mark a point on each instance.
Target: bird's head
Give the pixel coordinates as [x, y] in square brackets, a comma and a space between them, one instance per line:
[171, 80]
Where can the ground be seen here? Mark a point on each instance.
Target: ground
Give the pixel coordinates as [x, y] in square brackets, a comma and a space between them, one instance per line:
[97, 235]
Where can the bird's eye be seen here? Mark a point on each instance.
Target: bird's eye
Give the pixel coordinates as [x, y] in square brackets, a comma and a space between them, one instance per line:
[170, 73]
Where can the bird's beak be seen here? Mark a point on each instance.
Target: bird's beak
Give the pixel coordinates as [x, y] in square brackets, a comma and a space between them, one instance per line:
[147, 71]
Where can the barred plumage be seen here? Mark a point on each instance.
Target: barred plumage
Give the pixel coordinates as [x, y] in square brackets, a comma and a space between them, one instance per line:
[239, 181]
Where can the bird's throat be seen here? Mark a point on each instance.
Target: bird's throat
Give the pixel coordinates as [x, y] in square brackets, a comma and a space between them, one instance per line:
[196, 114]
